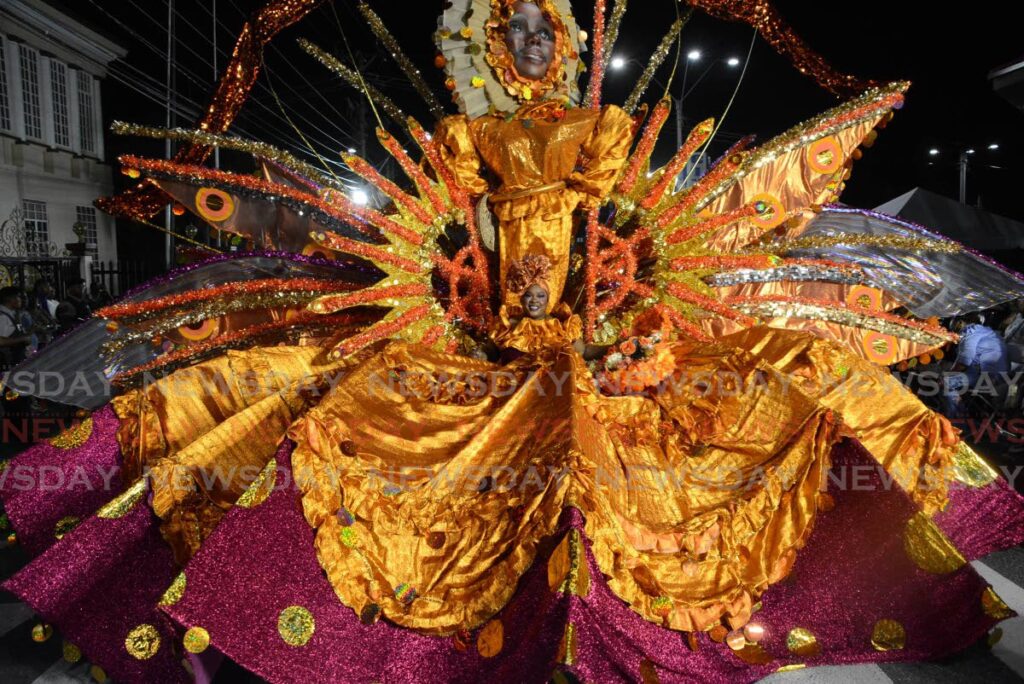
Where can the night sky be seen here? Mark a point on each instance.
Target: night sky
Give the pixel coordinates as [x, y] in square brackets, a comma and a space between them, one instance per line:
[945, 50]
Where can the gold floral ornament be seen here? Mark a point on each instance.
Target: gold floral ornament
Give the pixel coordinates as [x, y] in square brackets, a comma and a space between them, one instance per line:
[888, 635]
[803, 643]
[65, 525]
[196, 640]
[71, 653]
[142, 642]
[480, 70]
[296, 625]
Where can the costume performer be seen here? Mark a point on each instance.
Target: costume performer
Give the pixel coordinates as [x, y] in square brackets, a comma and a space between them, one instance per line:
[674, 456]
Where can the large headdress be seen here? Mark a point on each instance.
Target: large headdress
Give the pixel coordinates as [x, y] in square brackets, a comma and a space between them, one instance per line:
[532, 269]
[481, 75]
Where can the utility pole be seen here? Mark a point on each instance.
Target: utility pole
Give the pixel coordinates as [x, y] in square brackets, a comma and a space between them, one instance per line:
[963, 177]
[169, 215]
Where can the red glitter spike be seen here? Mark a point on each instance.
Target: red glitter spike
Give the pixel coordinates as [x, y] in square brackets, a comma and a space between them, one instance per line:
[412, 170]
[338, 243]
[333, 303]
[380, 331]
[696, 138]
[646, 145]
[366, 171]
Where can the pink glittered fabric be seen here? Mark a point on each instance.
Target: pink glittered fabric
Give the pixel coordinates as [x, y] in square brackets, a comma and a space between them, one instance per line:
[98, 583]
[46, 484]
[853, 572]
[983, 519]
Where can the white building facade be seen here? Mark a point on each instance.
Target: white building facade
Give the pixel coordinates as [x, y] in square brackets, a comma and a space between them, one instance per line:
[52, 164]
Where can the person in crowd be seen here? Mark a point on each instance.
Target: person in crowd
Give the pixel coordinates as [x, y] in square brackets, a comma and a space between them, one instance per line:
[75, 307]
[981, 350]
[15, 340]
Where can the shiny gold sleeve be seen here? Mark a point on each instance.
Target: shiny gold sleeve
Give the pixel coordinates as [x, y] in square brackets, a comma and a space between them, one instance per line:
[605, 152]
[455, 143]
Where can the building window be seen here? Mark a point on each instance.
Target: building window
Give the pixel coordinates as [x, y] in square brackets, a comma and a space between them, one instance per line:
[5, 104]
[86, 115]
[86, 216]
[33, 111]
[59, 90]
[37, 228]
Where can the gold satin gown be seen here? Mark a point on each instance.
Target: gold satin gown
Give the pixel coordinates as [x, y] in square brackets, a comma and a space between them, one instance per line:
[437, 475]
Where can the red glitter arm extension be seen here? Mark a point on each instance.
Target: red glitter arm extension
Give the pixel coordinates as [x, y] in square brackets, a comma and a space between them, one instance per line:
[765, 18]
[145, 199]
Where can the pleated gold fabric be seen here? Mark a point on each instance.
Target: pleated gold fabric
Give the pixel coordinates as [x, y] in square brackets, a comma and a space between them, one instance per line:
[582, 147]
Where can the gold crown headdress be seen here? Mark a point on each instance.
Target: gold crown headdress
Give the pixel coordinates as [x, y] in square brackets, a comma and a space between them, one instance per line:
[480, 69]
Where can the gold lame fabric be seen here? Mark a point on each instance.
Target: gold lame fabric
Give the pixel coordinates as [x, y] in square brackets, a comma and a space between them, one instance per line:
[206, 431]
[583, 148]
[448, 494]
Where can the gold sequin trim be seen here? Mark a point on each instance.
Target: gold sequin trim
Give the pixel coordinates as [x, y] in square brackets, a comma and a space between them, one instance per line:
[196, 640]
[567, 649]
[71, 653]
[261, 487]
[74, 436]
[791, 668]
[994, 606]
[567, 567]
[65, 525]
[142, 642]
[753, 654]
[971, 469]
[929, 548]
[174, 592]
[120, 506]
[802, 642]
[888, 635]
[296, 625]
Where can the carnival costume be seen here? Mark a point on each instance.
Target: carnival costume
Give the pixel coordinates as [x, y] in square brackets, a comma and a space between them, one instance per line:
[677, 510]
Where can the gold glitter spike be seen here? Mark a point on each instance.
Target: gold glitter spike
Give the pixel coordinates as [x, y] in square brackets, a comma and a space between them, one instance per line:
[71, 653]
[296, 625]
[662, 51]
[228, 142]
[929, 548]
[888, 635]
[352, 78]
[802, 642]
[491, 639]
[994, 606]
[911, 244]
[174, 592]
[74, 436]
[142, 642]
[567, 649]
[792, 668]
[397, 54]
[123, 504]
[65, 525]
[971, 469]
[196, 640]
[261, 488]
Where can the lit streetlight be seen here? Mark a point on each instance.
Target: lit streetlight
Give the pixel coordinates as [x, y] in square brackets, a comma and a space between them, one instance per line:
[733, 62]
[618, 63]
[934, 152]
[994, 146]
[693, 55]
[360, 197]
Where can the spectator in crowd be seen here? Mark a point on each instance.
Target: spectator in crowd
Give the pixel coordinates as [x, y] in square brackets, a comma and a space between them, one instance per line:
[43, 308]
[75, 307]
[1013, 325]
[981, 350]
[14, 338]
[99, 295]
